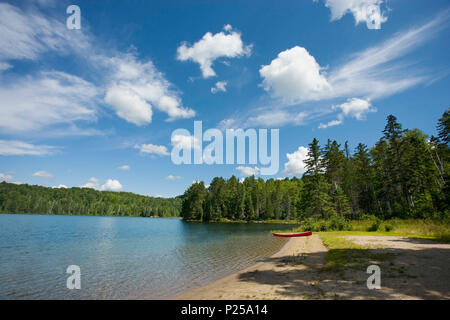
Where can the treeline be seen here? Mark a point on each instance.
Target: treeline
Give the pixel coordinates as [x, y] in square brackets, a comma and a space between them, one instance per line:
[24, 198]
[405, 175]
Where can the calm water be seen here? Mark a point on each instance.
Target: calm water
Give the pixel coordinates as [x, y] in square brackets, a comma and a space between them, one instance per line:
[122, 258]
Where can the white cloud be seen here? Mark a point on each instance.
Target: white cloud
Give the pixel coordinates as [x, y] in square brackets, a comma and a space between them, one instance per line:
[152, 149]
[43, 174]
[135, 87]
[294, 75]
[275, 116]
[172, 177]
[109, 185]
[296, 164]
[379, 71]
[130, 86]
[331, 123]
[18, 148]
[112, 185]
[227, 27]
[357, 108]
[125, 167]
[61, 186]
[6, 177]
[93, 183]
[373, 73]
[354, 107]
[248, 171]
[227, 44]
[185, 142]
[275, 119]
[51, 98]
[33, 102]
[28, 35]
[368, 11]
[220, 87]
[376, 72]
[129, 106]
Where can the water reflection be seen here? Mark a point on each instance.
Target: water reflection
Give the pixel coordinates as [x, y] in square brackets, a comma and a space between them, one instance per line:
[122, 258]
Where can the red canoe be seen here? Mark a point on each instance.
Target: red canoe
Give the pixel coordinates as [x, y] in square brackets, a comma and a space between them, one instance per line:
[296, 234]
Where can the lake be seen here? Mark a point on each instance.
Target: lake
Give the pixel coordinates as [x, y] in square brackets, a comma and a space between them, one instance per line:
[122, 257]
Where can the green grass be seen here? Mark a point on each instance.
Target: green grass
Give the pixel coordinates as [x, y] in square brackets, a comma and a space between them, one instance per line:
[427, 229]
[344, 255]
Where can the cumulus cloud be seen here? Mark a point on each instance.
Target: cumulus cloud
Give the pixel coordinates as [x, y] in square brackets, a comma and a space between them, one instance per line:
[125, 167]
[248, 171]
[299, 82]
[20, 148]
[185, 142]
[92, 183]
[357, 108]
[172, 177]
[296, 165]
[136, 86]
[61, 186]
[43, 174]
[368, 11]
[294, 75]
[354, 107]
[220, 87]
[225, 44]
[375, 72]
[130, 86]
[128, 105]
[111, 185]
[152, 149]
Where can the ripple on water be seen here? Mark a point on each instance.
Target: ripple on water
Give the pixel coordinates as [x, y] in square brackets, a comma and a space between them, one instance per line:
[122, 258]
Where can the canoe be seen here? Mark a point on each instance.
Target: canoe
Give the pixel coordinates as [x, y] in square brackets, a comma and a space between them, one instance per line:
[293, 234]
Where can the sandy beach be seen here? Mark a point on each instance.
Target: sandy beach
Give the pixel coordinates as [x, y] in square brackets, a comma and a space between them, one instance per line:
[416, 269]
[270, 278]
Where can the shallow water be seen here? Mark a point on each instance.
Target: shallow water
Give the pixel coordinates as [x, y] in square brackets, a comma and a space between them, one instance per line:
[121, 257]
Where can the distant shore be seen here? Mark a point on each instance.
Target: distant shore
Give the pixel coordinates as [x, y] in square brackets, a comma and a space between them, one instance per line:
[271, 221]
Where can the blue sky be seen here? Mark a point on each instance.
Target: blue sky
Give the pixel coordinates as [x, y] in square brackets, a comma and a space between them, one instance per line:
[97, 106]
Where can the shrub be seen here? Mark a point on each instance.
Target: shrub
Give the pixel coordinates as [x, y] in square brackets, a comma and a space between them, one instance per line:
[339, 223]
[368, 217]
[333, 223]
[374, 226]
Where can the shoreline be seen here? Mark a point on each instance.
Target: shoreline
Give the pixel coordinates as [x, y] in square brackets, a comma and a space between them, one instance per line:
[242, 285]
[413, 268]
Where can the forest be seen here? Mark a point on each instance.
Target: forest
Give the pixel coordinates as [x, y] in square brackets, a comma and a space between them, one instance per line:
[404, 175]
[24, 198]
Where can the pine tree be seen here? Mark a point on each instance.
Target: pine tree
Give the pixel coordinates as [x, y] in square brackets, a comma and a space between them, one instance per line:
[363, 180]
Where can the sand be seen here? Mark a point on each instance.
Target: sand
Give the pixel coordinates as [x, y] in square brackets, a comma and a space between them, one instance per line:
[414, 269]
